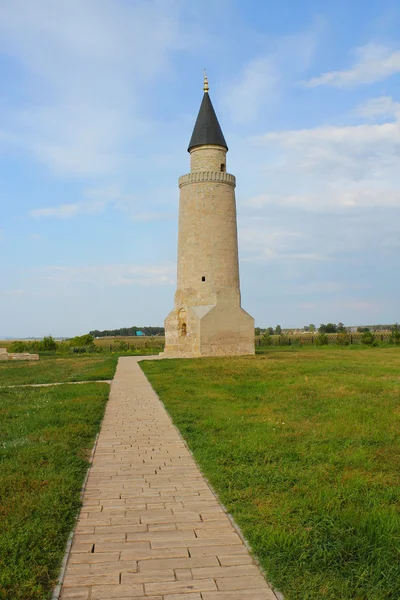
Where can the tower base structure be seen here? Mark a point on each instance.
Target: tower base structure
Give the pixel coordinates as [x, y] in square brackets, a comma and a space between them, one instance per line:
[220, 329]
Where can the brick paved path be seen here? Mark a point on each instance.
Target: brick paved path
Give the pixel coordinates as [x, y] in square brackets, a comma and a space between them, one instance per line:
[150, 527]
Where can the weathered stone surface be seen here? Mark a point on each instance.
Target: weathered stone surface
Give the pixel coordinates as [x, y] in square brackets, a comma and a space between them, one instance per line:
[4, 355]
[207, 318]
[23, 356]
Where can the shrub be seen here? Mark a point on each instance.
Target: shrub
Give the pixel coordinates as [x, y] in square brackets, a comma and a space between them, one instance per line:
[63, 348]
[343, 339]
[120, 346]
[283, 340]
[266, 340]
[82, 340]
[395, 337]
[18, 347]
[322, 339]
[47, 344]
[369, 339]
[79, 349]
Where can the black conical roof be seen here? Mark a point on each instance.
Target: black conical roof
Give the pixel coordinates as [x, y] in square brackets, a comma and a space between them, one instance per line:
[207, 130]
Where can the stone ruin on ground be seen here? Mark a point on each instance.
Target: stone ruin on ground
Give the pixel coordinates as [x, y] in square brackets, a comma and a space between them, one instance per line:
[4, 355]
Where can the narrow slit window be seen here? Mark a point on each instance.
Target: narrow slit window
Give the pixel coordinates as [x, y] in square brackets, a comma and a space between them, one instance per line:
[203, 278]
[223, 167]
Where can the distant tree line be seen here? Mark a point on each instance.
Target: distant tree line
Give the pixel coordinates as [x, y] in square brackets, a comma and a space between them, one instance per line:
[128, 331]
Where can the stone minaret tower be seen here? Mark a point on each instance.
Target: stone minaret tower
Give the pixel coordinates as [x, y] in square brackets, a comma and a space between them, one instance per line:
[207, 319]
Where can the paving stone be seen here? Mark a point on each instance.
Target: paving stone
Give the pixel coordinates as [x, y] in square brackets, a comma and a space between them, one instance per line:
[117, 592]
[176, 587]
[195, 596]
[94, 558]
[76, 593]
[261, 593]
[150, 527]
[178, 563]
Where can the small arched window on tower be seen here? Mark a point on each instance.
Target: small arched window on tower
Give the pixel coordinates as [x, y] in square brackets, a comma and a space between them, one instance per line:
[223, 168]
[182, 322]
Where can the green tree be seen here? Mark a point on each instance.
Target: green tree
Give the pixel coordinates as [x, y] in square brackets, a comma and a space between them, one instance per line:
[331, 328]
[322, 328]
[278, 330]
[341, 328]
[270, 330]
[82, 340]
[48, 343]
[311, 328]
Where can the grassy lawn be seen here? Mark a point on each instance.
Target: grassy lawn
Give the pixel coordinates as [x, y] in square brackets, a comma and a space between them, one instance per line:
[303, 448]
[46, 435]
[50, 369]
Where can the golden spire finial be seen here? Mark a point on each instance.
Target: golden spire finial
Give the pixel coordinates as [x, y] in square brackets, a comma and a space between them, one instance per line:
[205, 88]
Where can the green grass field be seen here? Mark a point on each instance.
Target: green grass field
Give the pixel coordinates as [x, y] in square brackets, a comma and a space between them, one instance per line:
[51, 369]
[46, 435]
[303, 448]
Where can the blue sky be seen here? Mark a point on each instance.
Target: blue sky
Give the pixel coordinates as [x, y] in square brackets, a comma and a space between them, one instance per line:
[98, 100]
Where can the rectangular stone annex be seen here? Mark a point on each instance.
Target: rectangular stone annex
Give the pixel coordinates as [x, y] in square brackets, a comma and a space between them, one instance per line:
[4, 355]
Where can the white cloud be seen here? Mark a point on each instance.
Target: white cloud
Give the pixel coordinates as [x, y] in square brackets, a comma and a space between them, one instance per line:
[109, 275]
[96, 202]
[260, 243]
[373, 63]
[337, 154]
[328, 199]
[384, 107]
[65, 211]
[85, 66]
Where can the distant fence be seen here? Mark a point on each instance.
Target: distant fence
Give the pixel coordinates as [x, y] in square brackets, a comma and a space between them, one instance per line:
[126, 343]
[307, 339]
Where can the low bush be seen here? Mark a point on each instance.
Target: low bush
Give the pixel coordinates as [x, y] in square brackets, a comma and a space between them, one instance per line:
[343, 339]
[395, 337]
[47, 344]
[322, 339]
[266, 340]
[369, 339]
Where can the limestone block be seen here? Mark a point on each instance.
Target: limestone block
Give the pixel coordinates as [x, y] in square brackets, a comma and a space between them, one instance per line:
[23, 356]
[3, 354]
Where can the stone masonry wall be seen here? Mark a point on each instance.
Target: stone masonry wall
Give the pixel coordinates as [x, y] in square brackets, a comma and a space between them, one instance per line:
[4, 355]
[207, 319]
[208, 158]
